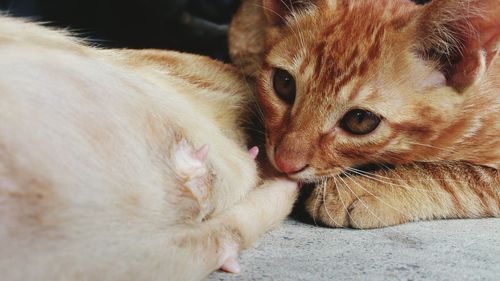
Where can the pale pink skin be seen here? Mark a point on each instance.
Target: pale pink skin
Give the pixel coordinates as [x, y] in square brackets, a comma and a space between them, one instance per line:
[254, 151]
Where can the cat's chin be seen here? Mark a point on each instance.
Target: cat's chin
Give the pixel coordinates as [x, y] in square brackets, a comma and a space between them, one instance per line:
[310, 175]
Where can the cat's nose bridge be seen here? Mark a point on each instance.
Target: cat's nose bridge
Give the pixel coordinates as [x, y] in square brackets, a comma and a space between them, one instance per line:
[309, 119]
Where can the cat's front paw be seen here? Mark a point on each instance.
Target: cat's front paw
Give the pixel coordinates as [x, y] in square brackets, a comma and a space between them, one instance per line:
[340, 205]
[371, 211]
[326, 206]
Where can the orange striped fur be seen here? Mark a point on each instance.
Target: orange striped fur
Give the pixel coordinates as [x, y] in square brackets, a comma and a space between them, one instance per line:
[431, 73]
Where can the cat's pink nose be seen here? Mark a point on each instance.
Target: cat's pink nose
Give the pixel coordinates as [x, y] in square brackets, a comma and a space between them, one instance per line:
[289, 162]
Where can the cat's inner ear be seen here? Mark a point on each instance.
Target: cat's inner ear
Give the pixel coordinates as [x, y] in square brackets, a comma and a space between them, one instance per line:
[461, 36]
[276, 11]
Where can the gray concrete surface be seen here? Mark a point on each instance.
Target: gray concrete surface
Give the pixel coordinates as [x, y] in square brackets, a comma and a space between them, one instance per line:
[433, 250]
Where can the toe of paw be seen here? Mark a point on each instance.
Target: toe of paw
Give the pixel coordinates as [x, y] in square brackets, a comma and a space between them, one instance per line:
[360, 217]
[369, 212]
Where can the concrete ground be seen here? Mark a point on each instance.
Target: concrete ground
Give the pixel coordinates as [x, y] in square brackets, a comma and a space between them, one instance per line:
[433, 250]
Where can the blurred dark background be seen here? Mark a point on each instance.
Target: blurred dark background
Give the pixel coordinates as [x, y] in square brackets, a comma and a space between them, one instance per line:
[197, 26]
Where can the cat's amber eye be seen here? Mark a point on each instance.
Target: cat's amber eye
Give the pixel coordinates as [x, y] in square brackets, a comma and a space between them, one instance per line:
[359, 121]
[284, 85]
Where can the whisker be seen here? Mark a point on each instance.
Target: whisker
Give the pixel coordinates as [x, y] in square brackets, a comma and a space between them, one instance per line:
[378, 198]
[256, 110]
[342, 201]
[297, 32]
[365, 173]
[406, 186]
[316, 200]
[324, 184]
[364, 204]
[254, 130]
[373, 177]
[431, 146]
[391, 229]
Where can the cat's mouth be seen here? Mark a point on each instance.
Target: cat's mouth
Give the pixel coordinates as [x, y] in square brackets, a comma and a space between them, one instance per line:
[310, 175]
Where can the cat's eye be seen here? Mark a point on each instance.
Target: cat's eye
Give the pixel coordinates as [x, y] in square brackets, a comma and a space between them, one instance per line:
[359, 122]
[284, 85]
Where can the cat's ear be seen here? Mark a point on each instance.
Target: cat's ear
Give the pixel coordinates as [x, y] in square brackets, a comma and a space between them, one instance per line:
[247, 37]
[461, 36]
[276, 11]
[248, 33]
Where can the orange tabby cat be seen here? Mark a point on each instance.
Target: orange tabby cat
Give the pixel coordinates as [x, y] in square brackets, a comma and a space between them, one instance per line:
[348, 83]
[123, 165]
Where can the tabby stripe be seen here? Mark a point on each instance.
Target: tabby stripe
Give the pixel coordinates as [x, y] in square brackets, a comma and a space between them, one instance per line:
[442, 179]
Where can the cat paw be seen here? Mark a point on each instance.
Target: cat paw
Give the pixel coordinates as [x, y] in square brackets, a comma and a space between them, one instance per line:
[190, 168]
[328, 208]
[373, 212]
[337, 206]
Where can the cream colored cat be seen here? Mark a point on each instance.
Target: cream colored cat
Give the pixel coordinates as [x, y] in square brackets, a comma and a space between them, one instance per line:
[123, 165]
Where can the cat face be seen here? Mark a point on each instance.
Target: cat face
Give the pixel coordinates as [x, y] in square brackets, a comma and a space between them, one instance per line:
[349, 83]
